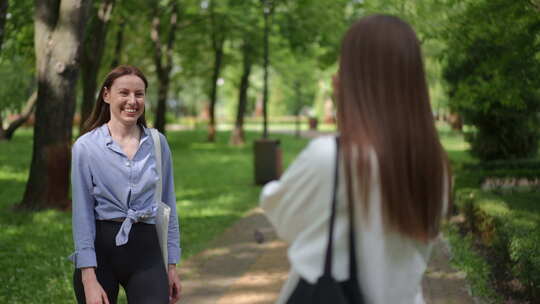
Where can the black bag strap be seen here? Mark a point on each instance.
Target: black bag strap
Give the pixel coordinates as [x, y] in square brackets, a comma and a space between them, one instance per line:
[352, 243]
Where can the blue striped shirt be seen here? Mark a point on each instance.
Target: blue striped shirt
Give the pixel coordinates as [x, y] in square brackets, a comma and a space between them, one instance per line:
[107, 185]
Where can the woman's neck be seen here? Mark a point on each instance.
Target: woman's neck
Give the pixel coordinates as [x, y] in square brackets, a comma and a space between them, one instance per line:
[121, 131]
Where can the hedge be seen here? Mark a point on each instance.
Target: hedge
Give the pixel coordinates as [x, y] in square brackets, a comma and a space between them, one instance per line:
[509, 226]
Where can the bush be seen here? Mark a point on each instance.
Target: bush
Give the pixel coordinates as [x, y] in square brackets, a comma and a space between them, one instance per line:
[520, 164]
[478, 271]
[491, 68]
[473, 175]
[509, 227]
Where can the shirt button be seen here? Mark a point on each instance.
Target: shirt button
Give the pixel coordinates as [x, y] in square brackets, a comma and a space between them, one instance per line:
[127, 164]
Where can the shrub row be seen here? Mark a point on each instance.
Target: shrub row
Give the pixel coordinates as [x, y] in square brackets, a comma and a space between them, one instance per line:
[465, 258]
[518, 164]
[509, 226]
[473, 177]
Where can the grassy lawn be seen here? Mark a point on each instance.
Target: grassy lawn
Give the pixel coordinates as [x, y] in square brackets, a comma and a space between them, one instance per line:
[214, 188]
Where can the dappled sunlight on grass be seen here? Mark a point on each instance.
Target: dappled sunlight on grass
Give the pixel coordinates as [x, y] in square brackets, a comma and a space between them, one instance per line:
[456, 147]
[10, 173]
[496, 206]
[203, 146]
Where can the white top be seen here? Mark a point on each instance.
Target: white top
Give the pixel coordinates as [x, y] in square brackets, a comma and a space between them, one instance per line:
[390, 266]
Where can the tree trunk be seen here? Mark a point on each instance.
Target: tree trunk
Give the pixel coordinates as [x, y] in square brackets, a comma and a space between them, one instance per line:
[58, 34]
[92, 52]
[7, 134]
[218, 58]
[237, 137]
[266, 63]
[4, 5]
[119, 43]
[163, 89]
[2, 131]
[218, 40]
[163, 69]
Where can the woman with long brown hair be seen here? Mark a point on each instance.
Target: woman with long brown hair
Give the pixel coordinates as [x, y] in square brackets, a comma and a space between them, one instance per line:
[116, 194]
[394, 176]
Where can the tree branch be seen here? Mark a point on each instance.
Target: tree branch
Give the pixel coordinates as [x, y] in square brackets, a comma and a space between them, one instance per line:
[535, 4]
[23, 117]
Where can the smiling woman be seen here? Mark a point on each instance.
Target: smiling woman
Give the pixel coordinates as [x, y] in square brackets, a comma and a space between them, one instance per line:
[116, 89]
[126, 98]
[117, 188]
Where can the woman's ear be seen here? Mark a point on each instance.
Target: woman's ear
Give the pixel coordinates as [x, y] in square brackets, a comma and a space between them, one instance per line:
[106, 95]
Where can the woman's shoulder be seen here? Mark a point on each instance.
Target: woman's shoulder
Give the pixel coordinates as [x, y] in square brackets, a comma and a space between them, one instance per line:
[318, 156]
[88, 138]
[321, 149]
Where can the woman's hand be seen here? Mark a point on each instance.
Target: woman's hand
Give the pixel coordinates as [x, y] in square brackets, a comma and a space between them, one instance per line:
[174, 284]
[93, 291]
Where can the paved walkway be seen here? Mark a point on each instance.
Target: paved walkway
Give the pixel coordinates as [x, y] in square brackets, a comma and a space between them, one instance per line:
[236, 269]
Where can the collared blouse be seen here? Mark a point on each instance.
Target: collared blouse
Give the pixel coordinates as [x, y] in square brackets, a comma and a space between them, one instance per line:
[390, 266]
[106, 185]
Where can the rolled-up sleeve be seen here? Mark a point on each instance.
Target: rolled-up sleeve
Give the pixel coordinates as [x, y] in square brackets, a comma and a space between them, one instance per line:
[84, 226]
[169, 198]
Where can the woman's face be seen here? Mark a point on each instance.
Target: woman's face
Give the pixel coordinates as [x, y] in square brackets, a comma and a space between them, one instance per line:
[126, 99]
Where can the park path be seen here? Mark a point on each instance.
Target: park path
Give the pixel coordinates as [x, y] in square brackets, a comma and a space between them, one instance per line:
[248, 264]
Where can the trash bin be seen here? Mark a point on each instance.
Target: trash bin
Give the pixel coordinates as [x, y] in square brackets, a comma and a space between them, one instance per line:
[313, 122]
[268, 163]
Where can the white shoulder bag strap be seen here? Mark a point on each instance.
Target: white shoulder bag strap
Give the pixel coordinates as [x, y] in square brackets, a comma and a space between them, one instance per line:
[157, 150]
[163, 210]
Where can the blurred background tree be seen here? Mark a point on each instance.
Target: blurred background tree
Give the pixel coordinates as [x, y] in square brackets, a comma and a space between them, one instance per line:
[492, 68]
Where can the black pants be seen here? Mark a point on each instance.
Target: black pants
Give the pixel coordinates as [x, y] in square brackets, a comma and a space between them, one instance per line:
[137, 265]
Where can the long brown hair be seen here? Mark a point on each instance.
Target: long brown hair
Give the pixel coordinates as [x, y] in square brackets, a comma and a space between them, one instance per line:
[101, 112]
[383, 104]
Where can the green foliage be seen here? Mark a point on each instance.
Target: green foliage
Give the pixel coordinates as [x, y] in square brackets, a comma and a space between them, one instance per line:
[314, 27]
[19, 31]
[521, 164]
[492, 67]
[297, 83]
[509, 227]
[466, 259]
[472, 174]
[17, 58]
[17, 84]
[214, 188]
[506, 224]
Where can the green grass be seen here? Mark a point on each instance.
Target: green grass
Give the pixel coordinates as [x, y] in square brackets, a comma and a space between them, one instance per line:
[474, 265]
[214, 187]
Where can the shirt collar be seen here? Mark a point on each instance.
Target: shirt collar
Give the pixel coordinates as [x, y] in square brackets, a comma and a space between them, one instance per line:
[104, 129]
[106, 134]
